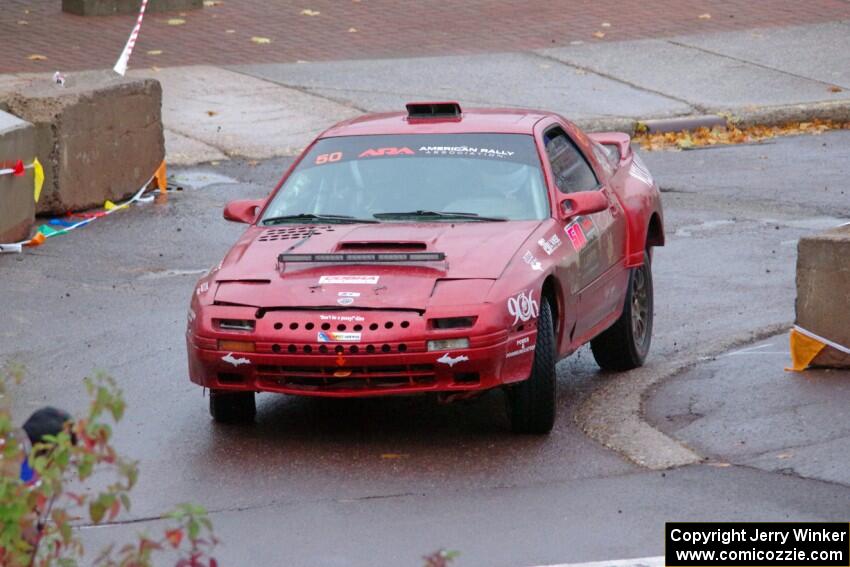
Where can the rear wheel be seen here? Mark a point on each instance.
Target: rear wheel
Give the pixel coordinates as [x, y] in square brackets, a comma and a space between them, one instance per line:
[531, 403]
[232, 407]
[625, 344]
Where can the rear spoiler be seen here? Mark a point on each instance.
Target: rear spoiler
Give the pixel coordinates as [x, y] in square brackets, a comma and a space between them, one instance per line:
[620, 141]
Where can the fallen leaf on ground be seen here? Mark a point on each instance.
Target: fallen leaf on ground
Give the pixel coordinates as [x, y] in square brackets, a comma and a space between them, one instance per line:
[731, 134]
[214, 163]
[307, 12]
[211, 3]
[155, 52]
[23, 23]
[599, 34]
[834, 89]
[211, 112]
[176, 22]
[36, 57]
[606, 24]
[704, 16]
[393, 456]
[719, 464]
[261, 40]
[155, 69]
[252, 163]
[352, 30]
[785, 455]
[229, 31]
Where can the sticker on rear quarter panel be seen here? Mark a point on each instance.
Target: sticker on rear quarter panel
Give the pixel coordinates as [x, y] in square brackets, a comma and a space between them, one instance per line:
[576, 235]
[349, 279]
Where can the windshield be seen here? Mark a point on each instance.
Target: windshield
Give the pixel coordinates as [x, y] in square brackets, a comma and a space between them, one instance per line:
[419, 177]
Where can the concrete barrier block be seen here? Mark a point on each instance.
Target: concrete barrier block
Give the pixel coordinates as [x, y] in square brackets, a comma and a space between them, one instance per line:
[17, 206]
[111, 7]
[823, 286]
[100, 137]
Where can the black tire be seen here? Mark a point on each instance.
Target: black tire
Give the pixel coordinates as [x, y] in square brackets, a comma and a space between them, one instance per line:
[625, 344]
[531, 403]
[232, 407]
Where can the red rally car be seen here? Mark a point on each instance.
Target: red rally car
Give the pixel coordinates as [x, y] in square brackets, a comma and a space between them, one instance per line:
[433, 251]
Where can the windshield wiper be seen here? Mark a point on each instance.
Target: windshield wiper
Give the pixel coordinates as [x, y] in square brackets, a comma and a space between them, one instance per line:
[441, 215]
[314, 217]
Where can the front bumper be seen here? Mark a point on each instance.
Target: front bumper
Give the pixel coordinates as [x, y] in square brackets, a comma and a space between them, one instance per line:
[361, 369]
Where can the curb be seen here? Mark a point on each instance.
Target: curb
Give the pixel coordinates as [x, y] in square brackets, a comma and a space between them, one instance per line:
[741, 117]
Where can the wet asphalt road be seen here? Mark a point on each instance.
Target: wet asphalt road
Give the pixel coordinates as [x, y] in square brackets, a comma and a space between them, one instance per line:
[382, 482]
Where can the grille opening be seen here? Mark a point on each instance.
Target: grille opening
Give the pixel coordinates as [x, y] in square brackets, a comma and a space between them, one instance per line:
[275, 348]
[230, 378]
[293, 326]
[326, 326]
[323, 349]
[388, 325]
[385, 348]
[309, 326]
[373, 327]
[340, 327]
[402, 348]
[467, 378]
[308, 349]
[292, 348]
[358, 327]
[339, 349]
[405, 324]
[278, 326]
[520, 328]
[354, 349]
[370, 349]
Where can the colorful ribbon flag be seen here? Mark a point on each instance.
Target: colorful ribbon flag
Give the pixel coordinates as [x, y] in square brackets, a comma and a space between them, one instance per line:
[46, 231]
[19, 169]
[809, 349]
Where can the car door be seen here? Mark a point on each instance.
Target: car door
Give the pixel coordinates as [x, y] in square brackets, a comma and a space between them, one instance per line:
[593, 237]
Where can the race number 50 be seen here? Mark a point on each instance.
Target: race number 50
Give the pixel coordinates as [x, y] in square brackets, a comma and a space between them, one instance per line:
[328, 158]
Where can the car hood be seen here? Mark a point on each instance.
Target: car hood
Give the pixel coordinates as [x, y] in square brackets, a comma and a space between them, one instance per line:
[251, 275]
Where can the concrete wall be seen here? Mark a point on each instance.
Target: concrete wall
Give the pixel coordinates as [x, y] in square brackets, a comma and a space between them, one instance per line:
[823, 285]
[110, 7]
[17, 206]
[100, 137]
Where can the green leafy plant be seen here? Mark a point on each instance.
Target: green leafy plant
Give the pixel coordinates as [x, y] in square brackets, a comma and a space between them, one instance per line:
[38, 519]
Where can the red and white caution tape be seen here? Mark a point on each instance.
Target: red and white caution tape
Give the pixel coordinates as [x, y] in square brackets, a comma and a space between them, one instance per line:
[121, 64]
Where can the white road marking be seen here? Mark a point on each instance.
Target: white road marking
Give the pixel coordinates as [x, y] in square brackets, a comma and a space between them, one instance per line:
[656, 561]
[756, 350]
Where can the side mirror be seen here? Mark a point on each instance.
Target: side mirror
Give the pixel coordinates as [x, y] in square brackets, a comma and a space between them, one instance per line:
[243, 210]
[582, 203]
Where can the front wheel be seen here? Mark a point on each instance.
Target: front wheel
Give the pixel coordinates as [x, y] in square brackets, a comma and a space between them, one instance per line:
[232, 407]
[625, 344]
[531, 403]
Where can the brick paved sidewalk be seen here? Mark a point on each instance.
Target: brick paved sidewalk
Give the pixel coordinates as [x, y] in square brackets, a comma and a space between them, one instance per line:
[221, 34]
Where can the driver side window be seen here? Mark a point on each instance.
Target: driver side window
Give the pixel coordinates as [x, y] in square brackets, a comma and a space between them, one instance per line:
[571, 171]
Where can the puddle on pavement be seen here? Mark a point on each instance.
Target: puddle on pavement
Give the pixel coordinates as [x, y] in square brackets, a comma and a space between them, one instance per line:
[198, 179]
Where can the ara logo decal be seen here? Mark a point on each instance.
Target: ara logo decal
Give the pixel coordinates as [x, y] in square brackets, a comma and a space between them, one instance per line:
[522, 348]
[523, 307]
[576, 235]
[387, 152]
[549, 245]
[237, 362]
[529, 259]
[451, 361]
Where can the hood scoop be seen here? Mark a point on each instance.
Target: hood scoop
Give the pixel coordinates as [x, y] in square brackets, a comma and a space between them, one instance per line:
[379, 246]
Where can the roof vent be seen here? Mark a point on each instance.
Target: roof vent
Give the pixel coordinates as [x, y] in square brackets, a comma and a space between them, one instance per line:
[419, 110]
